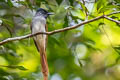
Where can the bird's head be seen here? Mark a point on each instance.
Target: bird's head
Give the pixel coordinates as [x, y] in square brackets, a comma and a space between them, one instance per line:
[43, 12]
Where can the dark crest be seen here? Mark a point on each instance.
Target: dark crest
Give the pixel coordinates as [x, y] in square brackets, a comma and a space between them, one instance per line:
[43, 12]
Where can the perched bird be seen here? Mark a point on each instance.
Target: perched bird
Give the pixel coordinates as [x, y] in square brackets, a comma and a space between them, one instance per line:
[39, 25]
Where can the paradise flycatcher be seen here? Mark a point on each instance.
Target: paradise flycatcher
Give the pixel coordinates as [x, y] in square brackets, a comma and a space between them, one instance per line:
[39, 25]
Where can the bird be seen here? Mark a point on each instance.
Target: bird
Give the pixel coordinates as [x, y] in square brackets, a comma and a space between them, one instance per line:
[39, 24]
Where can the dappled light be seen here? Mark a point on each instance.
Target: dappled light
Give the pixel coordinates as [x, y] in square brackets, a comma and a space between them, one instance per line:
[83, 40]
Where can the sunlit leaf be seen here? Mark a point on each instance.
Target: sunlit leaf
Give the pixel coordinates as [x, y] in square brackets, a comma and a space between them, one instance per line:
[83, 7]
[106, 8]
[54, 40]
[21, 68]
[10, 3]
[8, 22]
[101, 3]
[15, 67]
[78, 14]
[114, 17]
[22, 59]
[101, 24]
[117, 49]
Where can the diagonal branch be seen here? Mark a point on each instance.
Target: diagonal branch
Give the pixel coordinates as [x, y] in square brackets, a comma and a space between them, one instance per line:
[59, 30]
[49, 33]
[113, 13]
[118, 22]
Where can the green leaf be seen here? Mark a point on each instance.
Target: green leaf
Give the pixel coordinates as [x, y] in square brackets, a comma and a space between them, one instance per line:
[21, 68]
[66, 22]
[14, 67]
[106, 8]
[78, 14]
[14, 15]
[59, 1]
[29, 4]
[114, 17]
[26, 3]
[83, 6]
[52, 39]
[117, 49]
[10, 3]
[101, 3]
[117, 1]
[22, 3]
[38, 2]
[79, 61]
[71, 2]
[8, 22]
[101, 24]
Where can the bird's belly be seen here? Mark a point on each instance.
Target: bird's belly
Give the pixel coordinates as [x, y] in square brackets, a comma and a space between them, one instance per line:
[38, 27]
[40, 39]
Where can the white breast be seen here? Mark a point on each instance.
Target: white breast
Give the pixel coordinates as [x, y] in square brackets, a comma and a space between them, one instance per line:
[38, 24]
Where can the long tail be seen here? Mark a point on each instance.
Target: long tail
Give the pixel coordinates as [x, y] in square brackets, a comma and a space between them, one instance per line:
[44, 63]
[40, 44]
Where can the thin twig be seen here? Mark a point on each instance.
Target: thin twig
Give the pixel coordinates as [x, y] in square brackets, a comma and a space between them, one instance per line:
[57, 31]
[118, 22]
[10, 32]
[113, 13]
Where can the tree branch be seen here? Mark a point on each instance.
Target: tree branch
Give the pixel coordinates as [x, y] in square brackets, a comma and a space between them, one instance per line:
[113, 13]
[59, 30]
[118, 22]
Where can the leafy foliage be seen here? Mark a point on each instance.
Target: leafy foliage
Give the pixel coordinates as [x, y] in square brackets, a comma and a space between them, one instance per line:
[90, 52]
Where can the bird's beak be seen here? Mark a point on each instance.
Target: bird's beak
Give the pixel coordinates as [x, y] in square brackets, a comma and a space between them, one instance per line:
[50, 13]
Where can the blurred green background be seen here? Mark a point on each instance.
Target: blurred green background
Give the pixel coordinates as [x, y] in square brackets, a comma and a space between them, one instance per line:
[90, 52]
